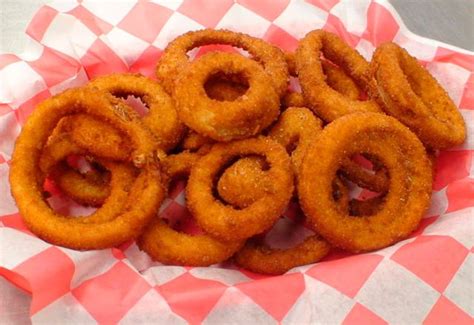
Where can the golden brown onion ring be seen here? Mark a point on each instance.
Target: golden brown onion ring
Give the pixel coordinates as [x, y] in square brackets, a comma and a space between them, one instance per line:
[168, 246]
[325, 101]
[409, 92]
[146, 193]
[408, 197]
[224, 221]
[175, 59]
[224, 120]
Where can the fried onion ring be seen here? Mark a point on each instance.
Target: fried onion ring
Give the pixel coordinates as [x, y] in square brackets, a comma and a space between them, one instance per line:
[336, 78]
[325, 101]
[259, 257]
[146, 192]
[409, 92]
[82, 188]
[175, 59]
[168, 246]
[245, 181]
[408, 197]
[226, 222]
[99, 138]
[296, 129]
[90, 188]
[161, 118]
[224, 120]
[376, 182]
[196, 143]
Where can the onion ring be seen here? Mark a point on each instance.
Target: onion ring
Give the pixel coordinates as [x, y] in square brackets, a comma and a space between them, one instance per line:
[91, 188]
[225, 121]
[146, 193]
[245, 181]
[99, 138]
[398, 149]
[161, 118]
[81, 188]
[224, 221]
[326, 102]
[196, 143]
[375, 182]
[296, 129]
[174, 58]
[408, 92]
[168, 246]
[259, 257]
[366, 207]
[336, 78]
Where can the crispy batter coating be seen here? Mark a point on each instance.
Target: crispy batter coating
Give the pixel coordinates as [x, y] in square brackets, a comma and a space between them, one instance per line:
[408, 197]
[99, 138]
[296, 129]
[326, 102]
[409, 92]
[245, 181]
[224, 221]
[378, 181]
[259, 257]
[146, 192]
[161, 117]
[93, 187]
[336, 78]
[168, 246]
[366, 207]
[224, 120]
[89, 188]
[175, 59]
[196, 143]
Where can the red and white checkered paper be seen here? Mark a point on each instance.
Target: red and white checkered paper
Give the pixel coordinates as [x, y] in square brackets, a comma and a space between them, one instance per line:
[426, 278]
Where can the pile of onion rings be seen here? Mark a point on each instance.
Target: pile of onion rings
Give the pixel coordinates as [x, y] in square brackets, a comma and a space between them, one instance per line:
[250, 146]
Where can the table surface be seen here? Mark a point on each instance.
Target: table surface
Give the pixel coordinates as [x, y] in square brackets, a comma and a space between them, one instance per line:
[451, 22]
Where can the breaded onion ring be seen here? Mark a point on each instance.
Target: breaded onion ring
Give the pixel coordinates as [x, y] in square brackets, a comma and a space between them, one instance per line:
[245, 181]
[89, 188]
[161, 117]
[409, 92]
[196, 143]
[81, 187]
[296, 129]
[226, 222]
[408, 197]
[175, 59]
[376, 182]
[168, 246]
[366, 207]
[336, 78]
[224, 120]
[99, 138]
[259, 257]
[326, 102]
[146, 192]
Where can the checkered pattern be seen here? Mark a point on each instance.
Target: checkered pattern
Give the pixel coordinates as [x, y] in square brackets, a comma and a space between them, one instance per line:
[426, 278]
